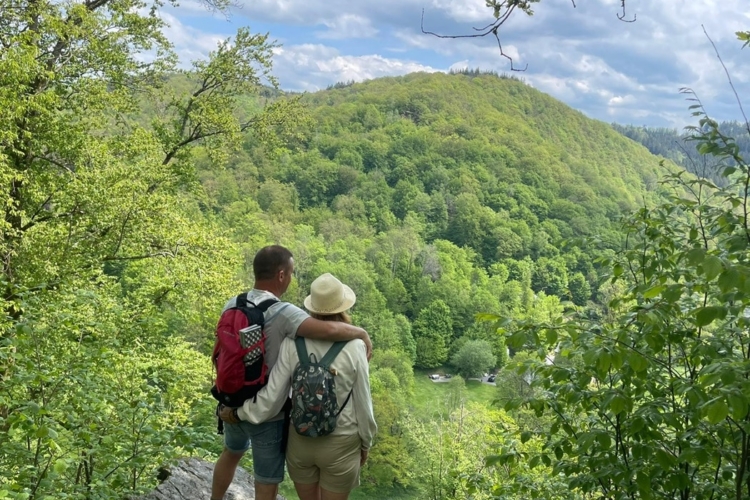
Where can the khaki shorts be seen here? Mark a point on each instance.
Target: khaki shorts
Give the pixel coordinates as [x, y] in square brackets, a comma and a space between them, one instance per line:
[332, 461]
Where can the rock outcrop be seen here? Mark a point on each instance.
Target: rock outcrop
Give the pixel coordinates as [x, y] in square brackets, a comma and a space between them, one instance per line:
[190, 479]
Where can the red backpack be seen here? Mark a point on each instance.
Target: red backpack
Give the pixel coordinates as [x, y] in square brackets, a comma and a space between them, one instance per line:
[240, 352]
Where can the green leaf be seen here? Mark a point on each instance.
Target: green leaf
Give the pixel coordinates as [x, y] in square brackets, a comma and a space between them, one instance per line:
[617, 270]
[664, 459]
[653, 291]
[696, 256]
[552, 336]
[673, 293]
[604, 440]
[739, 405]
[729, 279]
[618, 404]
[644, 484]
[706, 315]
[525, 436]
[60, 466]
[717, 411]
[604, 361]
[637, 362]
[712, 266]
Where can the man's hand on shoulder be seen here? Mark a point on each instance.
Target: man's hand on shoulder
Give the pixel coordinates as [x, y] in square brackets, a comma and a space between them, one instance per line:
[228, 415]
[368, 344]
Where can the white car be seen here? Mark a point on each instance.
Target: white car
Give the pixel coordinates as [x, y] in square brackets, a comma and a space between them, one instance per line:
[435, 376]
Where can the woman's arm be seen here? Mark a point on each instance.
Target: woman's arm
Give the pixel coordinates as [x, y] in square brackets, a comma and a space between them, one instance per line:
[271, 398]
[363, 399]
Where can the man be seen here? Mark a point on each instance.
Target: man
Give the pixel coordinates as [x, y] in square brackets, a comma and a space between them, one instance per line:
[273, 267]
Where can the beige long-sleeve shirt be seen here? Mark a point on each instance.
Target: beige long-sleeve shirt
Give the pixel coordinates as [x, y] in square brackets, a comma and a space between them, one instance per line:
[352, 376]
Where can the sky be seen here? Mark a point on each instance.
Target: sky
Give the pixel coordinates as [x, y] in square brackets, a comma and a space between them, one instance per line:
[614, 71]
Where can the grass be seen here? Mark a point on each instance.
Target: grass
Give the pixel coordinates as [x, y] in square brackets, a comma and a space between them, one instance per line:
[431, 395]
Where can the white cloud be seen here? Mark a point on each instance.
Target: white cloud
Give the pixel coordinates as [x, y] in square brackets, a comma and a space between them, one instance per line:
[312, 67]
[620, 100]
[190, 43]
[348, 26]
[465, 11]
[584, 56]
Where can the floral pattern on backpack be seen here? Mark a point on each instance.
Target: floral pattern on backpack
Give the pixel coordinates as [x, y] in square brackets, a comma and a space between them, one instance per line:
[315, 407]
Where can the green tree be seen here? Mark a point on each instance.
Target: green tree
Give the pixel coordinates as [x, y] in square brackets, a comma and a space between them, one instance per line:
[108, 264]
[550, 276]
[474, 358]
[580, 290]
[651, 400]
[433, 331]
[452, 458]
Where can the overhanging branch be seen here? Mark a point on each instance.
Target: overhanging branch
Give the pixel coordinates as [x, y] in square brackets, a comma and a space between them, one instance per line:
[503, 9]
[622, 16]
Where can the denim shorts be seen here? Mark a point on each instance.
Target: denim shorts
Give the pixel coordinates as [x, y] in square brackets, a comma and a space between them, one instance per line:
[268, 459]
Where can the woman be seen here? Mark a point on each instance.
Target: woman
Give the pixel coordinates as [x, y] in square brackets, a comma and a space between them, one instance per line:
[325, 467]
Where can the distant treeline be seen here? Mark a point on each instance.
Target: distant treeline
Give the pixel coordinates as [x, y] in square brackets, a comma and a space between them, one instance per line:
[678, 147]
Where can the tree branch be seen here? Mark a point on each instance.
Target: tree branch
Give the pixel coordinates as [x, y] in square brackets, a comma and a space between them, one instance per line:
[502, 11]
[622, 16]
[490, 29]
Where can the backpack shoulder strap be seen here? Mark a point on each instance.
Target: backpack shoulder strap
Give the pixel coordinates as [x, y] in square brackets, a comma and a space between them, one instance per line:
[241, 300]
[263, 306]
[304, 358]
[332, 353]
[345, 401]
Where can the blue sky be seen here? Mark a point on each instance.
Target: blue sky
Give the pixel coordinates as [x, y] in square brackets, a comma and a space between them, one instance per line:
[583, 56]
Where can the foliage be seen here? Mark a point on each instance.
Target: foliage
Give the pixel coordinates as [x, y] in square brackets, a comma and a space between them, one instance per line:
[136, 195]
[108, 264]
[677, 147]
[452, 453]
[474, 358]
[433, 332]
[651, 400]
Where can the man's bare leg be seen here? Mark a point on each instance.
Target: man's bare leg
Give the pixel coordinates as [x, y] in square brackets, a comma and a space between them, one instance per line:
[265, 491]
[224, 471]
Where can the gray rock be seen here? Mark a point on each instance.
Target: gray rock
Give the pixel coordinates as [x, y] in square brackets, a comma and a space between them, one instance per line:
[190, 479]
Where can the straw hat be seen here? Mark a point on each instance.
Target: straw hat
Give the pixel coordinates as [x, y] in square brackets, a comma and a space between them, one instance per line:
[329, 296]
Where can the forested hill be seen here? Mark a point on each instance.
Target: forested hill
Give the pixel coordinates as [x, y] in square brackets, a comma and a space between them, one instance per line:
[443, 195]
[483, 161]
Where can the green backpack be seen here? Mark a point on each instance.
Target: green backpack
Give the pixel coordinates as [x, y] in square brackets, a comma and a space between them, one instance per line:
[314, 404]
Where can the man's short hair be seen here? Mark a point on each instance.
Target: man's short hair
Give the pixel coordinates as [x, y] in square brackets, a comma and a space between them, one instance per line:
[270, 260]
